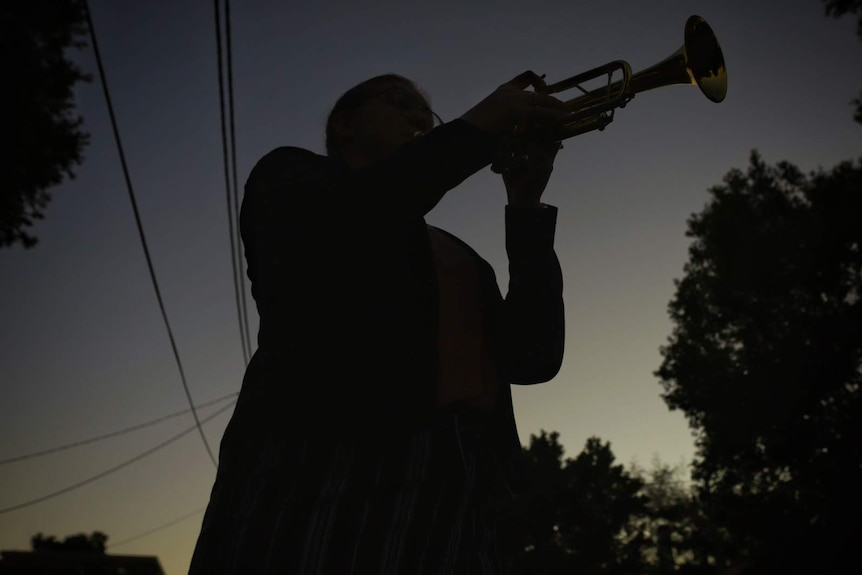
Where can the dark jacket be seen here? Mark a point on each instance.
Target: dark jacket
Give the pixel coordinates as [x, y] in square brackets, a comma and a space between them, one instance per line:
[341, 270]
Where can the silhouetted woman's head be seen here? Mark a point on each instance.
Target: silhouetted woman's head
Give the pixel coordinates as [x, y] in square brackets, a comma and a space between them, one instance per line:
[369, 121]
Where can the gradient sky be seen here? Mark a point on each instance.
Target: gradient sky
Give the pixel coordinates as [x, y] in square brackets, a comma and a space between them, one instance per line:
[84, 350]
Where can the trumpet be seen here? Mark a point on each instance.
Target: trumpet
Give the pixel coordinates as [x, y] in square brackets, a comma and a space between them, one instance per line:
[698, 62]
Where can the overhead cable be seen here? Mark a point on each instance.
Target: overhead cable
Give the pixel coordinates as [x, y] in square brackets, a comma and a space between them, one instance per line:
[123, 431]
[232, 211]
[161, 527]
[115, 468]
[141, 229]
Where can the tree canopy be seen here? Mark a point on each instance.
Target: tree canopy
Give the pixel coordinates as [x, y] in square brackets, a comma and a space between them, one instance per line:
[80, 543]
[578, 516]
[38, 109]
[765, 358]
[836, 9]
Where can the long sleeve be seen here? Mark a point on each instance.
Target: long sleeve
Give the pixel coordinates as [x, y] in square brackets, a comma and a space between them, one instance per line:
[341, 273]
[532, 322]
[410, 182]
[301, 207]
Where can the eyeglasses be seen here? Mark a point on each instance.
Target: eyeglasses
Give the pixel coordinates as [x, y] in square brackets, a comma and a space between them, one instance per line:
[407, 102]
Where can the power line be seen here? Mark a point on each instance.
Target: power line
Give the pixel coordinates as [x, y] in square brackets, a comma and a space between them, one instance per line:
[159, 528]
[235, 257]
[233, 168]
[141, 227]
[111, 434]
[115, 468]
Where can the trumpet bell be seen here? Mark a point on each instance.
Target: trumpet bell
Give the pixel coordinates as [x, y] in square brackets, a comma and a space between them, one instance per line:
[699, 61]
[703, 59]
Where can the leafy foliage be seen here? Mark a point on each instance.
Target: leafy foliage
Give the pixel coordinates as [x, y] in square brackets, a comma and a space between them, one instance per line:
[573, 517]
[836, 9]
[80, 543]
[766, 356]
[37, 106]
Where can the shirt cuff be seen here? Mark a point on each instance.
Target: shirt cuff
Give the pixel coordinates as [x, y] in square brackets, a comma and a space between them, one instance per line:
[530, 228]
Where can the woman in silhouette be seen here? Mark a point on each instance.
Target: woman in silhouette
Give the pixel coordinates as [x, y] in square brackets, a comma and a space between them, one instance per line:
[374, 432]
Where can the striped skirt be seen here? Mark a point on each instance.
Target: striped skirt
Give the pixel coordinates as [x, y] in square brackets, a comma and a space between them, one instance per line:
[417, 505]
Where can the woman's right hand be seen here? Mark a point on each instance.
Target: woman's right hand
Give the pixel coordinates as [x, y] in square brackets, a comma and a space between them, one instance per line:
[511, 106]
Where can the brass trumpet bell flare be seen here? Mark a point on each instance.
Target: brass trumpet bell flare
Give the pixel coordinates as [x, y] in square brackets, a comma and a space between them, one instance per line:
[705, 61]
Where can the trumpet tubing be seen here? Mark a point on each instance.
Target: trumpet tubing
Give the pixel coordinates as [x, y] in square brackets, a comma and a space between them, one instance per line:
[698, 62]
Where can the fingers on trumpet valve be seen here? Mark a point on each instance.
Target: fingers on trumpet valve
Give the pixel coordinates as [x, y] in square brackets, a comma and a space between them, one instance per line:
[547, 111]
[526, 79]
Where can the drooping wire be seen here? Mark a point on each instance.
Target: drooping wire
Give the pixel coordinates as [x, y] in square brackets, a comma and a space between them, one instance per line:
[161, 527]
[235, 257]
[111, 434]
[234, 171]
[141, 227]
[115, 468]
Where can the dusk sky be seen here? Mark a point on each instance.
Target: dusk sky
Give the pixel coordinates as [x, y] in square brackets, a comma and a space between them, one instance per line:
[84, 348]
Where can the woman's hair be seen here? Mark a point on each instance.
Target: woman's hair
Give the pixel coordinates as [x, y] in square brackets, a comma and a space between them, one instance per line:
[349, 103]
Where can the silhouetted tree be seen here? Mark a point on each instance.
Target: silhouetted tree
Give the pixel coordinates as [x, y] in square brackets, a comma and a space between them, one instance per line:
[601, 497]
[37, 105]
[80, 543]
[674, 534]
[573, 517]
[765, 360]
[836, 9]
[534, 523]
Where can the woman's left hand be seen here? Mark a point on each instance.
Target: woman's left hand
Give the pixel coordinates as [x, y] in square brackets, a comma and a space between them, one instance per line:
[526, 182]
